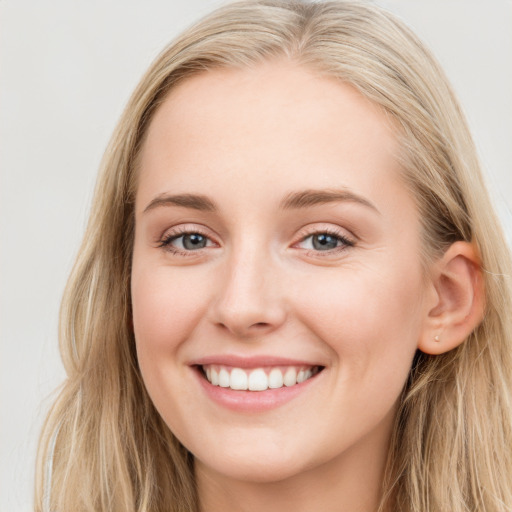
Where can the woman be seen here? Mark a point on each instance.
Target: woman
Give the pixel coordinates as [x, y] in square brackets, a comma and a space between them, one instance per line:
[292, 290]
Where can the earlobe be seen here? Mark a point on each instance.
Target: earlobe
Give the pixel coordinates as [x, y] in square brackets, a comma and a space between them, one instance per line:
[457, 306]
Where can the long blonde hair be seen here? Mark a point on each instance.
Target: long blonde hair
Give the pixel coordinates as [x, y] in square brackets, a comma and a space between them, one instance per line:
[105, 448]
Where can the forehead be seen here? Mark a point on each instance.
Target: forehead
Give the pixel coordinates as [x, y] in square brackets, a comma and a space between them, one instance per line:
[266, 128]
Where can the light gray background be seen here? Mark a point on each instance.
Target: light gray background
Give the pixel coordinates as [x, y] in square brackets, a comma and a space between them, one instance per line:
[66, 71]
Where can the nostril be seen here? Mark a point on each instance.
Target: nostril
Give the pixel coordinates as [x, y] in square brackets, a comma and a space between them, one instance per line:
[247, 331]
[260, 325]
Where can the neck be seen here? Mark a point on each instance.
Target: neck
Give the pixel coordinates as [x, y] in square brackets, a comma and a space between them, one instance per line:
[350, 482]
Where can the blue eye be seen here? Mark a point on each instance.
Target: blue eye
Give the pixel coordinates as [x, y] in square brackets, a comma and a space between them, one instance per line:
[190, 241]
[325, 242]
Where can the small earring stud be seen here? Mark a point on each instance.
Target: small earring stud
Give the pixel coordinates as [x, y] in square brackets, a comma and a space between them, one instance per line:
[436, 337]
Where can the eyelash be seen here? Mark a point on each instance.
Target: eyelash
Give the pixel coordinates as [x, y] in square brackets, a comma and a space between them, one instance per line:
[166, 242]
[345, 242]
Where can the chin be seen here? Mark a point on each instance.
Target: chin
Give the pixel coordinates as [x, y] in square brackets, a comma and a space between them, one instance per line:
[257, 466]
[258, 472]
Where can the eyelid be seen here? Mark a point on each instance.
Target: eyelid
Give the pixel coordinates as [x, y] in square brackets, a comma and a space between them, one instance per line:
[318, 228]
[348, 239]
[175, 232]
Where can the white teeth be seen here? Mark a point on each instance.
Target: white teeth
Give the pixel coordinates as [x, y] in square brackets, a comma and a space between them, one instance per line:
[290, 377]
[258, 379]
[238, 379]
[275, 378]
[224, 378]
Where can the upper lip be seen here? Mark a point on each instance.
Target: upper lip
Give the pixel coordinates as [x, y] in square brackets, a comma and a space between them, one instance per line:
[251, 361]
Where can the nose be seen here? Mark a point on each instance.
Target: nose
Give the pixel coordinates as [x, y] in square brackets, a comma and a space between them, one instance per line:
[251, 299]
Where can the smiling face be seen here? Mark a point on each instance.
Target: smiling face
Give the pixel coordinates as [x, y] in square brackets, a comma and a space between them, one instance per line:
[275, 243]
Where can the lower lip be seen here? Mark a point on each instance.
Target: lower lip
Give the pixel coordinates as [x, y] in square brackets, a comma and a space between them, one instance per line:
[253, 401]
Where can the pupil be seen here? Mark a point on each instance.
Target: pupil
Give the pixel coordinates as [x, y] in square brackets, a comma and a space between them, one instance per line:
[194, 241]
[324, 242]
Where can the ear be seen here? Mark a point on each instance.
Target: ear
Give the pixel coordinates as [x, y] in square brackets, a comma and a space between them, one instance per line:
[456, 304]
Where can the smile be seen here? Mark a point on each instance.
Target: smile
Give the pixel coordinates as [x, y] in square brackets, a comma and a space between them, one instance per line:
[257, 379]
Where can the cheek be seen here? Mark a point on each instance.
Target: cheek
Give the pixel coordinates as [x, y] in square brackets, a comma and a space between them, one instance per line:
[370, 319]
[165, 310]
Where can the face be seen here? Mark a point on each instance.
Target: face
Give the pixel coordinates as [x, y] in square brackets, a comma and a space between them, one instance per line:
[276, 249]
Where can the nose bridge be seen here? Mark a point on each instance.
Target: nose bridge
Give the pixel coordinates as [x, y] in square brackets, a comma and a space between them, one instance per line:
[250, 301]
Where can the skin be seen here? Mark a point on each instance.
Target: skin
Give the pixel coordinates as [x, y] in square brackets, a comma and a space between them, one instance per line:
[246, 139]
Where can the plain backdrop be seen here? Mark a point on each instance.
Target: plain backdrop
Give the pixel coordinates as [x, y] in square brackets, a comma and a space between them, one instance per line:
[67, 68]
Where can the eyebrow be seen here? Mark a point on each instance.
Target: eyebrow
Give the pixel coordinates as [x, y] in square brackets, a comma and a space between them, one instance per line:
[194, 201]
[294, 200]
[312, 197]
